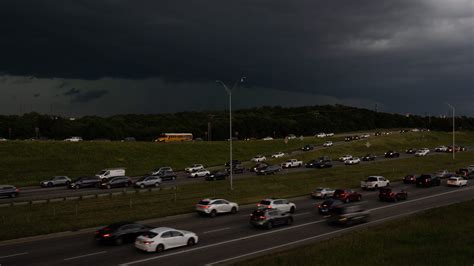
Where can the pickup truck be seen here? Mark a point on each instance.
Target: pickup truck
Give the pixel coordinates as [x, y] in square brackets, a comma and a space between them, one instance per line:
[374, 182]
[291, 163]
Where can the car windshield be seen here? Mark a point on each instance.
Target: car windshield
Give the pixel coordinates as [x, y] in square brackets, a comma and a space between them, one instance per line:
[319, 189]
[204, 202]
[149, 234]
[265, 202]
[102, 172]
[338, 191]
[371, 179]
[142, 178]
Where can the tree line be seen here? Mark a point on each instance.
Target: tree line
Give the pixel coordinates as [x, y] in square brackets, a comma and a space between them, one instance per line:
[256, 122]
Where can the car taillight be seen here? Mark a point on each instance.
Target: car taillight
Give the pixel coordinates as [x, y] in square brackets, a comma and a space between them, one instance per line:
[147, 242]
[106, 235]
[258, 204]
[269, 207]
[262, 217]
[17, 190]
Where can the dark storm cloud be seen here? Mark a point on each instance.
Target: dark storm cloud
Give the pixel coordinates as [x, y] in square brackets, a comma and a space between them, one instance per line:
[87, 96]
[382, 50]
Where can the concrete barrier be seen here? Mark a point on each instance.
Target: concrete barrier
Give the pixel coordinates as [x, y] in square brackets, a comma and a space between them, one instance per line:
[72, 198]
[131, 191]
[117, 193]
[22, 203]
[39, 201]
[87, 196]
[5, 205]
[103, 195]
[56, 200]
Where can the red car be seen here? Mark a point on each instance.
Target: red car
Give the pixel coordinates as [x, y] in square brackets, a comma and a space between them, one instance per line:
[388, 194]
[347, 195]
[409, 179]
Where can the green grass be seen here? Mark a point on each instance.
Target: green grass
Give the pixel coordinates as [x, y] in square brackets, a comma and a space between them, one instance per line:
[26, 163]
[54, 217]
[441, 236]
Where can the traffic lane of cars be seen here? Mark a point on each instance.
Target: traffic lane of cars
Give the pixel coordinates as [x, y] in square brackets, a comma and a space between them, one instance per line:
[210, 230]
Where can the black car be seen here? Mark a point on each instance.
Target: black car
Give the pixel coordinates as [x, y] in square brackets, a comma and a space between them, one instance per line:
[234, 162]
[348, 215]
[217, 175]
[86, 181]
[119, 233]
[351, 138]
[326, 206]
[308, 147]
[409, 179]
[389, 194]
[118, 181]
[236, 169]
[322, 162]
[167, 175]
[8, 191]
[271, 169]
[392, 154]
[268, 218]
[427, 181]
[369, 157]
[410, 151]
[259, 167]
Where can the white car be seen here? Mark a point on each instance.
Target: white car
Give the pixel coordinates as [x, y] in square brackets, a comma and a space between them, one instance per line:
[353, 160]
[162, 238]
[278, 155]
[322, 193]
[258, 159]
[345, 158]
[441, 149]
[3, 139]
[193, 168]
[321, 135]
[329, 134]
[212, 207]
[456, 181]
[73, 139]
[291, 163]
[268, 138]
[200, 173]
[422, 152]
[374, 182]
[327, 144]
[282, 205]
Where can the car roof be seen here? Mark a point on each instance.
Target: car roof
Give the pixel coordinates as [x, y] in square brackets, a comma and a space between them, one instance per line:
[160, 230]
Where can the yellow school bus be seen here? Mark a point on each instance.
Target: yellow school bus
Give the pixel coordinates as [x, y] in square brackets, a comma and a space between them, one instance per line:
[169, 137]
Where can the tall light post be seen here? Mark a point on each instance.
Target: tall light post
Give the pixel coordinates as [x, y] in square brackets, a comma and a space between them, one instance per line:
[454, 110]
[229, 91]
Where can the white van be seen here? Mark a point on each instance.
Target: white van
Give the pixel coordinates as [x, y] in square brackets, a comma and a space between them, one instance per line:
[108, 173]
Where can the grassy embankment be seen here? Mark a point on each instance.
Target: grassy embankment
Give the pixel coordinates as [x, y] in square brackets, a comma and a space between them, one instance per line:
[441, 236]
[26, 163]
[54, 217]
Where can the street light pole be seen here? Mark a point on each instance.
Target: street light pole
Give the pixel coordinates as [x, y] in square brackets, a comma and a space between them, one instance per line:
[229, 91]
[454, 110]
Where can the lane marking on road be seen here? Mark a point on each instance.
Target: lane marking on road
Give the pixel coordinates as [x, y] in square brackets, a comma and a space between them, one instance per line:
[86, 255]
[216, 230]
[13, 255]
[303, 213]
[313, 237]
[294, 227]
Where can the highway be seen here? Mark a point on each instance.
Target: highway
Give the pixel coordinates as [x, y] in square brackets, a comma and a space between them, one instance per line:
[226, 238]
[38, 193]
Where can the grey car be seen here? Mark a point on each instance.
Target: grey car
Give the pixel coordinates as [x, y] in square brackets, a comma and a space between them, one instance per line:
[268, 218]
[56, 181]
[161, 170]
[148, 181]
[8, 191]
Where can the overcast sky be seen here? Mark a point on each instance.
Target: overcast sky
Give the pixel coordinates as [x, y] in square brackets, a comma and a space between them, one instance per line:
[105, 57]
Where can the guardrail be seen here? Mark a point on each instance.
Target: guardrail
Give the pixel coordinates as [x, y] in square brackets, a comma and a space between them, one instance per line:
[89, 196]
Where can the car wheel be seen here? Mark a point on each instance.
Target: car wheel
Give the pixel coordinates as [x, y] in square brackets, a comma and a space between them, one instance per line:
[289, 221]
[359, 198]
[292, 210]
[213, 213]
[157, 184]
[142, 186]
[269, 225]
[50, 184]
[127, 184]
[347, 200]
[233, 210]
[67, 183]
[109, 187]
[13, 195]
[160, 248]
[191, 242]
[77, 187]
[118, 241]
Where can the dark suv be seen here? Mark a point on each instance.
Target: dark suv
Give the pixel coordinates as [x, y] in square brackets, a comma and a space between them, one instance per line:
[308, 147]
[8, 191]
[167, 175]
[427, 181]
[369, 157]
[392, 154]
[348, 215]
[236, 169]
[326, 206]
[119, 233]
[268, 218]
[86, 181]
[271, 169]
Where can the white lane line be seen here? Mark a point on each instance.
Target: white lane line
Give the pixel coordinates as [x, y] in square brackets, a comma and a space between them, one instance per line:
[13, 255]
[86, 255]
[288, 228]
[220, 243]
[216, 230]
[312, 238]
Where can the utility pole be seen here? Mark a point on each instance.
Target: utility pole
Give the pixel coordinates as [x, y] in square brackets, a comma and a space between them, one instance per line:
[454, 110]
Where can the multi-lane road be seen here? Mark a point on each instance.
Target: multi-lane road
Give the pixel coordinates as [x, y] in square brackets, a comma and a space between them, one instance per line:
[224, 239]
